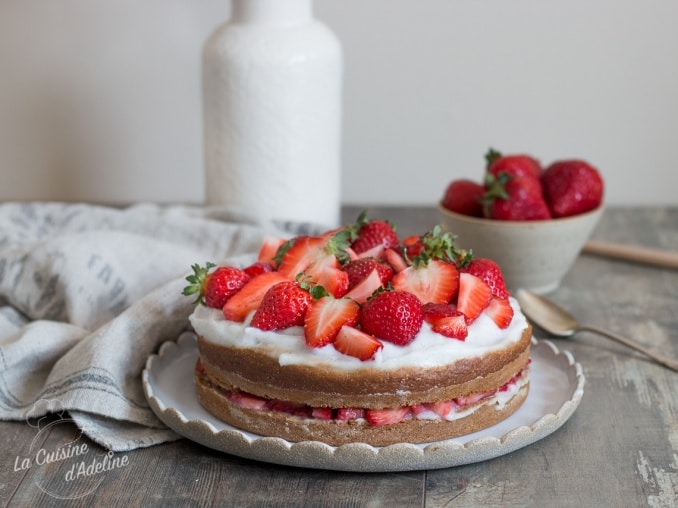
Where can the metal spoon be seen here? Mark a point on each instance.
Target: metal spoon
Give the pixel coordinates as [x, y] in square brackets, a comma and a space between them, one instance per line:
[561, 323]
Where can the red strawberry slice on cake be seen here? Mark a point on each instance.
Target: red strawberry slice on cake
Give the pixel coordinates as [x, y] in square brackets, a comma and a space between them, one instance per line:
[353, 342]
[326, 316]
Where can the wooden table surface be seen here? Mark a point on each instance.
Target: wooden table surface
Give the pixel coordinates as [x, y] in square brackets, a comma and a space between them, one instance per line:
[619, 449]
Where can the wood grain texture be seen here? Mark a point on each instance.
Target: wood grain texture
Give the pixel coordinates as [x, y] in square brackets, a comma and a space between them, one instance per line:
[619, 449]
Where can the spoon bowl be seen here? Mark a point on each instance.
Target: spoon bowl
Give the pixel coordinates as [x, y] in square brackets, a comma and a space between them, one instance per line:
[557, 321]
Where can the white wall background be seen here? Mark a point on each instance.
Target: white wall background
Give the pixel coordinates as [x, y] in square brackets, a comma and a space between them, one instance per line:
[100, 101]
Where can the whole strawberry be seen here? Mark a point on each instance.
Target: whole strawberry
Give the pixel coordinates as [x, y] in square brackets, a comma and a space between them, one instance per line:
[490, 272]
[572, 187]
[283, 305]
[373, 233]
[464, 197]
[516, 198]
[394, 316]
[516, 165]
[214, 289]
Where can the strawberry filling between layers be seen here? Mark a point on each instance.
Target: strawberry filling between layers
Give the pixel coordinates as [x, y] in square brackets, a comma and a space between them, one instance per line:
[445, 410]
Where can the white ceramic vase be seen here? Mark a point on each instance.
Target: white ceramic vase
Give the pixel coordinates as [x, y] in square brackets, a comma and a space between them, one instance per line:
[272, 85]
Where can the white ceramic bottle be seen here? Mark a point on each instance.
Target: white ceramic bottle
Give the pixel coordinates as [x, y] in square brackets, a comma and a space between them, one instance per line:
[272, 85]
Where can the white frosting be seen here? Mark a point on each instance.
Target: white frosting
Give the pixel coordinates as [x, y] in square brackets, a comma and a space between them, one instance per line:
[428, 349]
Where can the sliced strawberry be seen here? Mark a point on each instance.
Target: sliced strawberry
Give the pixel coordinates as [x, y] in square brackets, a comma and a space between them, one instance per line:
[366, 288]
[500, 311]
[467, 400]
[258, 268]
[284, 305]
[334, 280]
[454, 327]
[326, 316]
[293, 408]
[474, 296]
[488, 270]
[435, 311]
[349, 413]
[376, 252]
[395, 259]
[321, 413]
[248, 401]
[269, 248]
[412, 246]
[378, 417]
[304, 251]
[248, 298]
[436, 282]
[360, 268]
[353, 342]
[442, 409]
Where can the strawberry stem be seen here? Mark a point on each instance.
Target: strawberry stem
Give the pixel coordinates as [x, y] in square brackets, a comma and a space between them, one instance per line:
[197, 282]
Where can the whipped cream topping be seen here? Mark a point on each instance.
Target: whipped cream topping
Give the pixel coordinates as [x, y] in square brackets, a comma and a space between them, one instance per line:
[428, 349]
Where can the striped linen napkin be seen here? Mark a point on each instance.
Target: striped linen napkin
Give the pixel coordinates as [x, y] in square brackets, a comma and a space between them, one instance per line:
[87, 293]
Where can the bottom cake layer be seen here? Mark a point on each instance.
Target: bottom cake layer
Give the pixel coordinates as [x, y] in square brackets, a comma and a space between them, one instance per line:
[418, 425]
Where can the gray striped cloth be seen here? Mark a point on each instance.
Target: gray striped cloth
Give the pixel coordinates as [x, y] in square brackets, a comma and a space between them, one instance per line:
[87, 293]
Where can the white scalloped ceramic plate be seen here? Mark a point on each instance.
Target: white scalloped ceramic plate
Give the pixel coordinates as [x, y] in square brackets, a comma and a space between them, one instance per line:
[556, 388]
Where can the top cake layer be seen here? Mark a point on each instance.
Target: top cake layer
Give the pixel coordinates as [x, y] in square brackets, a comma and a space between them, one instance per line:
[427, 350]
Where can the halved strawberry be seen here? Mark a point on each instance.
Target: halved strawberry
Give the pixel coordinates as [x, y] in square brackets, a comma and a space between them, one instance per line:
[269, 248]
[293, 408]
[474, 296]
[350, 413]
[250, 295]
[365, 288]
[454, 327]
[353, 342]
[284, 305]
[326, 316]
[318, 257]
[435, 311]
[378, 417]
[258, 268]
[500, 311]
[248, 401]
[437, 281]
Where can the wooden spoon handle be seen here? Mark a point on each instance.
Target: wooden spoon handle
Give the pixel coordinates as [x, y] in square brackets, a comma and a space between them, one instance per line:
[663, 258]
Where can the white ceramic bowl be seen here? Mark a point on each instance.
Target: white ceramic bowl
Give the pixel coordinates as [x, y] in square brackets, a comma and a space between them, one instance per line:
[534, 255]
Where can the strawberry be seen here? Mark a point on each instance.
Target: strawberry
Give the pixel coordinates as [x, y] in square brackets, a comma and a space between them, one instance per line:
[464, 196]
[325, 317]
[412, 246]
[517, 198]
[213, 289]
[293, 408]
[258, 268]
[395, 316]
[349, 413]
[247, 400]
[269, 248]
[500, 311]
[516, 165]
[442, 409]
[373, 233]
[321, 413]
[353, 342]
[572, 187]
[474, 296]
[320, 258]
[435, 311]
[489, 271]
[360, 268]
[378, 417]
[248, 298]
[365, 288]
[435, 281]
[283, 305]
[453, 326]
[395, 259]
